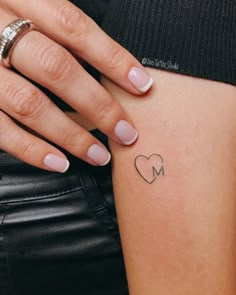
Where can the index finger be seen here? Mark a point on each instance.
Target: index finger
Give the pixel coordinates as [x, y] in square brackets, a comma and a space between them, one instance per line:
[71, 27]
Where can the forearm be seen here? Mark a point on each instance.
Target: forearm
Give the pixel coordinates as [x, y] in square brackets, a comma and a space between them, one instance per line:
[178, 224]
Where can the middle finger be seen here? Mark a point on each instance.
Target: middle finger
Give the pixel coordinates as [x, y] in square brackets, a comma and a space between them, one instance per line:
[49, 64]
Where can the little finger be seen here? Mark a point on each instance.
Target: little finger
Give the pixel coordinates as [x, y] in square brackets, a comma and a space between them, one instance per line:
[28, 148]
[24, 102]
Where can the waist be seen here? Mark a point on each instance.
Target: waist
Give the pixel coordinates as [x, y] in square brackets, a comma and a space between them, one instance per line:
[19, 180]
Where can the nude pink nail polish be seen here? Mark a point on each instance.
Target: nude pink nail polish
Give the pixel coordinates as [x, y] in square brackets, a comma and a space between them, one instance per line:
[99, 155]
[56, 163]
[140, 79]
[125, 132]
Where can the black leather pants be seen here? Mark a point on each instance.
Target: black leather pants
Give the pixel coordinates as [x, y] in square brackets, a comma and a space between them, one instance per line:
[58, 232]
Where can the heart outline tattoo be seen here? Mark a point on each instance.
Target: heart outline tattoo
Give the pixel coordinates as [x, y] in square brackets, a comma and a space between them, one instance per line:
[156, 165]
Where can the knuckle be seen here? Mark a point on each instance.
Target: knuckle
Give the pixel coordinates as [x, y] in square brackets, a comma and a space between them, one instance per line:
[104, 109]
[70, 18]
[26, 150]
[114, 56]
[74, 139]
[56, 63]
[27, 103]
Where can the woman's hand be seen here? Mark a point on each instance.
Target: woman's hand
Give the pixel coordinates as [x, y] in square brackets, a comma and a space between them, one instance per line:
[48, 57]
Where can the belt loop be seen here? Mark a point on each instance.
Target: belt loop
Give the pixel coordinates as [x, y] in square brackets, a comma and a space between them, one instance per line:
[4, 271]
[92, 192]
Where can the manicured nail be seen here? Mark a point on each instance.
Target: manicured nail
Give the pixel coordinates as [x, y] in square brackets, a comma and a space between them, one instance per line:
[56, 163]
[125, 132]
[141, 80]
[99, 155]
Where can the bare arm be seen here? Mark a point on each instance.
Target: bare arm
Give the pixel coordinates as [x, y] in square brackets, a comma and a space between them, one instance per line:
[178, 218]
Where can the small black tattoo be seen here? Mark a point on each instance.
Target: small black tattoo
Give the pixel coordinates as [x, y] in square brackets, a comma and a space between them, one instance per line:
[149, 168]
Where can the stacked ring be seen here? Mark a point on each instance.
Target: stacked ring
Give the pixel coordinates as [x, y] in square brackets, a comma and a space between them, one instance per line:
[10, 36]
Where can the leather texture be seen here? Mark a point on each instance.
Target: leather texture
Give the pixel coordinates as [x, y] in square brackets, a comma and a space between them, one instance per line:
[59, 232]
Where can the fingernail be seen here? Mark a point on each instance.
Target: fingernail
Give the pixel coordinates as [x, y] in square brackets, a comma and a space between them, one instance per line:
[141, 80]
[125, 132]
[99, 155]
[56, 163]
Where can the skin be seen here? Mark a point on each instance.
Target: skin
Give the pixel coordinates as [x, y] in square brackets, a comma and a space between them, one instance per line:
[179, 233]
[50, 57]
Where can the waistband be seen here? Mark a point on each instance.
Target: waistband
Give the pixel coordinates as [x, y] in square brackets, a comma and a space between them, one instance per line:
[22, 182]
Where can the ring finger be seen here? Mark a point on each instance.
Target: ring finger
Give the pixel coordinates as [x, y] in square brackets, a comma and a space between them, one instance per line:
[42, 60]
[24, 102]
